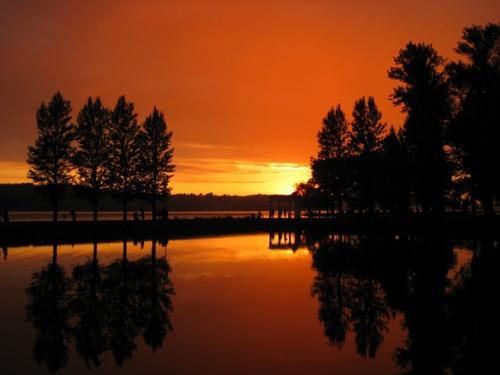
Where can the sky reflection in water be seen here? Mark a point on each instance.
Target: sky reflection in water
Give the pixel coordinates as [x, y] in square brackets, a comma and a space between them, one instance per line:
[266, 303]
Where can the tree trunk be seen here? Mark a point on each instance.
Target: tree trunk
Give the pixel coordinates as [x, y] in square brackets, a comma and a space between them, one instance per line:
[54, 253]
[124, 254]
[153, 200]
[95, 209]
[153, 209]
[486, 198]
[340, 209]
[55, 209]
[153, 249]
[124, 199]
[94, 255]
[124, 215]
[339, 190]
[488, 207]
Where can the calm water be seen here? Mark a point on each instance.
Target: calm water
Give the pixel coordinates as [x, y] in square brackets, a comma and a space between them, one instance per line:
[253, 304]
[117, 215]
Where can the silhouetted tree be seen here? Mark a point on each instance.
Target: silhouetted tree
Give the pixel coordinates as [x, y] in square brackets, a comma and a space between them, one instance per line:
[330, 168]
[93, 152]
[89, 306]
[156, 166]
[48, 310]
[365, 143]
[310, 197]
[50, 157]
[476, 129]
[459, 195]
[424, 97]
[124, 146]
[393, 180]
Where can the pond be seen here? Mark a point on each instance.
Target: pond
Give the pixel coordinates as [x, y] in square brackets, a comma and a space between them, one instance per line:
[270, 303]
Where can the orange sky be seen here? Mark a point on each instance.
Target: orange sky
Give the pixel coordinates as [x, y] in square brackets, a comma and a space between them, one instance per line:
[244, 84]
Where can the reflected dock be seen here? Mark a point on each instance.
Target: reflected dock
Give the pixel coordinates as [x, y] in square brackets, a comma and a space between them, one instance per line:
[25, 233]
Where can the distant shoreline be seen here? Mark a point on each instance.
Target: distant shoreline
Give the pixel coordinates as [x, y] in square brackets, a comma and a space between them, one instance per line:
[33, 233]
[26, 197]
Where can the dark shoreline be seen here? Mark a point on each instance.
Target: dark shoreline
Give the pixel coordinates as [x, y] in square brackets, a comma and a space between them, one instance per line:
[33, 233]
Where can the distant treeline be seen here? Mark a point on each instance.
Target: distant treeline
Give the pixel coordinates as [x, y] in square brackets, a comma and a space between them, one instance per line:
[445, 156]
[26, 197]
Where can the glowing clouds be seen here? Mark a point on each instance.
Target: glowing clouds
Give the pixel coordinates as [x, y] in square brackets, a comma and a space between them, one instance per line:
[226, 176]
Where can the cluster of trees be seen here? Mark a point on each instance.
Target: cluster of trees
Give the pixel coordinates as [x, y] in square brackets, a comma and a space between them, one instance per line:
[101, 308]
[106, 151]
[446, 153]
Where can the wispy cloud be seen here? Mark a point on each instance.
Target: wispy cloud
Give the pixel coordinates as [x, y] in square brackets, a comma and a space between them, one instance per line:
[205, 146]
[237, 176]
[204, 175]
[13, 172]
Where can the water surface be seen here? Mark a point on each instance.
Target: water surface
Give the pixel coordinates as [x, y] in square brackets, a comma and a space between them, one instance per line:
[290, 303]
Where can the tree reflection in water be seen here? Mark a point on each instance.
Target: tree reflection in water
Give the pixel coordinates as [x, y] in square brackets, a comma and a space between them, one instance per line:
[47, 308]
[91, 330]
[155, 289]
[425, 351]
[110, 307]
[350, 297]
[120, 290]
[363, 281]
[472, 316]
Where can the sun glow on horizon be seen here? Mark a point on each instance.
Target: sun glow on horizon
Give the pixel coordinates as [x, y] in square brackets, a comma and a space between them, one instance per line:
[240, 177]
[244, 85]
[217, 176]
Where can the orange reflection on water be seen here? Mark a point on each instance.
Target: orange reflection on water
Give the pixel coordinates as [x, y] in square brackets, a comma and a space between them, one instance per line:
[239, 307]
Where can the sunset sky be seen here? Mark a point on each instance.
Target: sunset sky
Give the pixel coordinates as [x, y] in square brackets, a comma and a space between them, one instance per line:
[243, 84]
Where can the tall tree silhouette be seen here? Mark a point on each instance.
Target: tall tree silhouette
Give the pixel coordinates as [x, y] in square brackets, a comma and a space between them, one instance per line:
[366, 130]
[424, 97]
[124, 145]
[476, 83]
[50, 156]
[309, 196]
[156, 166]
[366, 142]
[88, 305]
[93, 152]
[393, 185]
[48, 310]
[330, 168]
